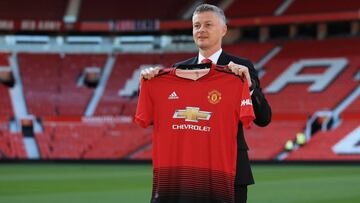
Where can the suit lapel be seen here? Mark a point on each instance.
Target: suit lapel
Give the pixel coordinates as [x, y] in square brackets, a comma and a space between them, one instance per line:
[223, 59]
[194, 60]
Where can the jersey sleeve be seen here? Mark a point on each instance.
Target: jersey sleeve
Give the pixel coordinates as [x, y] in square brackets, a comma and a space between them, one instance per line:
[246, 111]
[144, 109]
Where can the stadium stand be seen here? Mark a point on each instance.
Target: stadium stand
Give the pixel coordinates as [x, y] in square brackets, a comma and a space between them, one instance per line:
[53, 92]
[119, 143]
[5, 102]
[295, 98]
[73, 66]
[4, 61]
[40, 84]
[352, 111]
[251, 51]
[251, 8]
[92, 10]
[11, 146]
[56, 95]
[264, 143]
[321, 6]
[321, 144]
[267, 143]
[34, 10]
[90, 141]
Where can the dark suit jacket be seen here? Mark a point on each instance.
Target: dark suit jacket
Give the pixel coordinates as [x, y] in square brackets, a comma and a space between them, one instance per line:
[262, 112]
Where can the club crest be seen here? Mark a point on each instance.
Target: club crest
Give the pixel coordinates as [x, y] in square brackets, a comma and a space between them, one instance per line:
[214, 97]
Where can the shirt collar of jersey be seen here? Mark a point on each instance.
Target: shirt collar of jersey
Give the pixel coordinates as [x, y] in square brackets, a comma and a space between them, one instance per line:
[214, 58]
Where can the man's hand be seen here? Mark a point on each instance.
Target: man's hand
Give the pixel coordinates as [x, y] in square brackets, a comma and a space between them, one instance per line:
[149, 73]
[241, 71]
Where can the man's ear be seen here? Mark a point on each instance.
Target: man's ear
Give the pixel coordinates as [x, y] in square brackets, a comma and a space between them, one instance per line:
[224, 30]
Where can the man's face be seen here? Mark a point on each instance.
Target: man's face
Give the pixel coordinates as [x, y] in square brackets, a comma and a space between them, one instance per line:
[208, 30]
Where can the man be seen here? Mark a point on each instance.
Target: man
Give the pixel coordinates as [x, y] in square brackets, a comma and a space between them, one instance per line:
[209, 27]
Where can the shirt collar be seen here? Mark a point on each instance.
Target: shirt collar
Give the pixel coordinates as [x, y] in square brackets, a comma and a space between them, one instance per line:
[214, 58]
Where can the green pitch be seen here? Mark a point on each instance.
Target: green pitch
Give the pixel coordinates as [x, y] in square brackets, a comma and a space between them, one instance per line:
[65, 183]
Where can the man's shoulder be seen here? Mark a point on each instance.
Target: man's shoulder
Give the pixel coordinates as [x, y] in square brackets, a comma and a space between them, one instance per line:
[189, 61]
[226, 58]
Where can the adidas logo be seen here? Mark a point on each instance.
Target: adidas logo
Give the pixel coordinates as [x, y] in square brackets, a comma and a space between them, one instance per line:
[173, 96]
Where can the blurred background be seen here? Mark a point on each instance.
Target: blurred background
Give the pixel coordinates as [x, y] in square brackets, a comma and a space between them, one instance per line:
[69, 75]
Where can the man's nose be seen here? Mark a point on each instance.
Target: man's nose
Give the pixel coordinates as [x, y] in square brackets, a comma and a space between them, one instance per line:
[202, 29]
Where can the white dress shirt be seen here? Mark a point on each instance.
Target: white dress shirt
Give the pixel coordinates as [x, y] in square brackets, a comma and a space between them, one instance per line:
[214, 58]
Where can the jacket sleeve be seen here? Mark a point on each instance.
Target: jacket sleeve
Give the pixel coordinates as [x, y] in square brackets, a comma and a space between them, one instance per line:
[261, 107]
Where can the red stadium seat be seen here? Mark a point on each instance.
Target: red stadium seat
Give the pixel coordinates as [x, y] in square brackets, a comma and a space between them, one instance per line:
[5, 102]
[11, 144]
[322, 6]
[251, 8]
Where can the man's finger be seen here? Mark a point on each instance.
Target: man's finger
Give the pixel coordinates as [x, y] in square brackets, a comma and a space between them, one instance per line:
[154, 71]
[142, 74]
[241, 71]
[158, 69]
[236, 70]
[149, 73]
[245, 74]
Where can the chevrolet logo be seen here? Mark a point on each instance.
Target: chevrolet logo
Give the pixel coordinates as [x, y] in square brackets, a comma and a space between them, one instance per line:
[192, 114]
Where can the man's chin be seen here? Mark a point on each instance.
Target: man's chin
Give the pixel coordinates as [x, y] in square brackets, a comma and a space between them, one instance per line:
[202, 46]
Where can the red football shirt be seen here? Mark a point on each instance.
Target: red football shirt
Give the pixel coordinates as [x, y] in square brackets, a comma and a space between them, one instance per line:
[194, 134]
